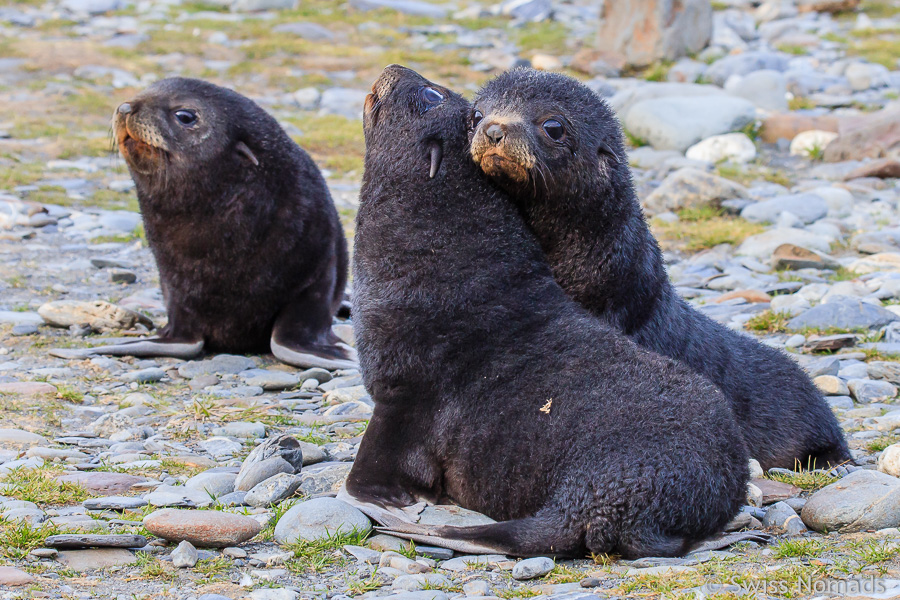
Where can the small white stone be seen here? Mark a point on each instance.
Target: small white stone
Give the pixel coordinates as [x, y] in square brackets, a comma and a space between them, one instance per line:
[733, 147]
[809, 142]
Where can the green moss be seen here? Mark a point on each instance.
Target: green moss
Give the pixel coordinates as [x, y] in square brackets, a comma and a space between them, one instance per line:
[547, 37]
[335, 142]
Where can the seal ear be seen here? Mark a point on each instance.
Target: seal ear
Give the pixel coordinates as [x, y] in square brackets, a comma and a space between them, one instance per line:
[437, 155]
[604, 148]
[246, 152]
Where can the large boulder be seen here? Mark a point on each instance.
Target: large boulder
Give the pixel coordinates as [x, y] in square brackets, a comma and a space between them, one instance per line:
[644, 31]
[860, 501]
[873, 135]
[677, 123]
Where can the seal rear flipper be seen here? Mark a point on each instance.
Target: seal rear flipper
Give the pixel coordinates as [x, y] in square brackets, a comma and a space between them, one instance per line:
[149, 347]
[724, 540]
[531, 536]
[302, 334]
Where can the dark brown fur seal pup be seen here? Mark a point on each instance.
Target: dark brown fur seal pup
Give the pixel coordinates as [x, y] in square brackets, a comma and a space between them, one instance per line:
[250, 250]
[557, 148]
[495, 391]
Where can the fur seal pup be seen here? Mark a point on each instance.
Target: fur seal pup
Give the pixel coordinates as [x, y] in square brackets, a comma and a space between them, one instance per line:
[495, 391]
[557, 148]
[250, 250]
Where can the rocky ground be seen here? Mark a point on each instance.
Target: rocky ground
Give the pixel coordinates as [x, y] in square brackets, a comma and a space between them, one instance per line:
[768, 164]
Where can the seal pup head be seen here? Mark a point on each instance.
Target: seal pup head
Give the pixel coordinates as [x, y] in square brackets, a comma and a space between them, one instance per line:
[178, 126]
[538, 134]
[411, 120]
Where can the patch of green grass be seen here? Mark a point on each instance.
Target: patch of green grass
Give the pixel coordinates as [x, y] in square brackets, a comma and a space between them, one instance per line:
[880, 9]
[151, 567]
[793, 49]
[522, 592]
[110, 200]
[563, 574]
[69, 394]
[804, 479]
[633, 140]
[123, 238]
[41, 487]
[16, 174]
[317, 556]
[879, 444]
[799, 548]
[18, 538]
[769, 321]
[658, 71]
[704, 212]
[844, 274]
[748, 175]
[359, 587]
[701, 234]
[800, 103]
[881, 50]
[874, 552]
[550, 37]
[335, 142]
[212, 568]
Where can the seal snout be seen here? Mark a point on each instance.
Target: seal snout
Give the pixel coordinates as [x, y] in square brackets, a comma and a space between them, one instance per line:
[495, 133]
[124, 108]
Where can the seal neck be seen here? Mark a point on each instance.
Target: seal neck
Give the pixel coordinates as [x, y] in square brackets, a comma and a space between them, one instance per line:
[602, 251]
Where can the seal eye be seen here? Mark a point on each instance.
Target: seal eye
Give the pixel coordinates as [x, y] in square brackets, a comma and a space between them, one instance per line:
[186, 117]
[431, 97]
[554, 129]
[476, 118]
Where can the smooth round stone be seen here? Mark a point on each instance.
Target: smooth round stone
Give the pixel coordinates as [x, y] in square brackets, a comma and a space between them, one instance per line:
[269, 379]
[531, 568]
[889, 460]
[257, 472]
[114, 503]
[212, 482]
[319, 519]
[204, 528]
[17, 438]
[25, 329]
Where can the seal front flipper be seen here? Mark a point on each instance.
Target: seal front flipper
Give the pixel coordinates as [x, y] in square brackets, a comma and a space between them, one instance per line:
[149, 347]
[308, 355]
[302, 336]
[389, 516]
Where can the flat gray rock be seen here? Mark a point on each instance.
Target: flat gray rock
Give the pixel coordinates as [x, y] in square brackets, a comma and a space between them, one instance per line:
[72, 541]
[114, 503]
[221, 364]
[843, 313]
[807, 207]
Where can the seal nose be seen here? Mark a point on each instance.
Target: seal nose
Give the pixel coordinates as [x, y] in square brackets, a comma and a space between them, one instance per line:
[124, 108]
[495, 133]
